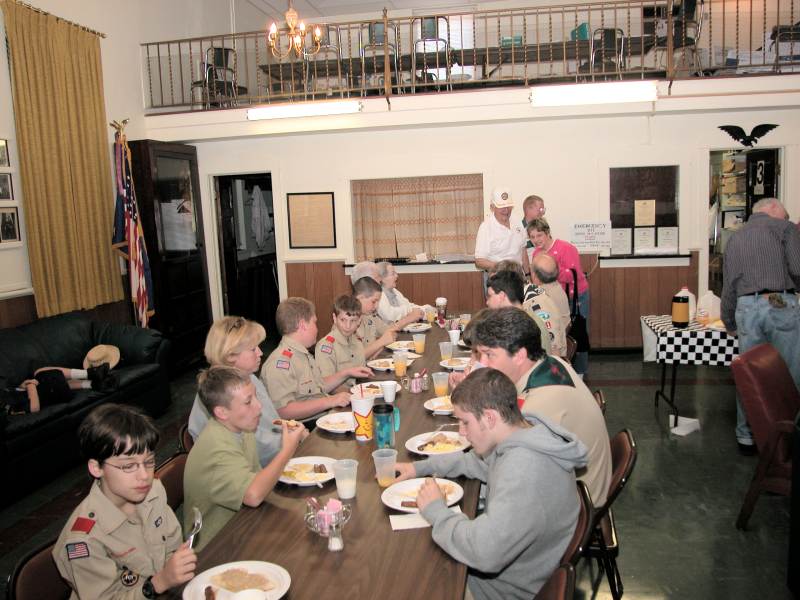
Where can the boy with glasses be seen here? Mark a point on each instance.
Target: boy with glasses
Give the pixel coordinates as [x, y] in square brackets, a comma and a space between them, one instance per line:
[123, 540]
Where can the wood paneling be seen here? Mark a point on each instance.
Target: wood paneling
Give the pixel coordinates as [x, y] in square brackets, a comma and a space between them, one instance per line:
[619, 296]
[321, 282]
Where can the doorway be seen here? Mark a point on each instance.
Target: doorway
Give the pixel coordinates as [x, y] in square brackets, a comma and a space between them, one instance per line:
[249, 262]
[739, 178]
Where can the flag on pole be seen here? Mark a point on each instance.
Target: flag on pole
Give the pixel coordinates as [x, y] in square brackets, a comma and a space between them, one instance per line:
[128, 237]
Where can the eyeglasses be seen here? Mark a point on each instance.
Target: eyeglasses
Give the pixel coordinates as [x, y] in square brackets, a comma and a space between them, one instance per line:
[149, 465]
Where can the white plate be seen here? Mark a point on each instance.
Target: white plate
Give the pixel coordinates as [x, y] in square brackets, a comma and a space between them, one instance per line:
[387, 364]
[393, 495]
[338, 422]
[413, 444]
[313, 460]
[455, 364]
[402, 345]
[279, 576]
[435, 406]
[366, 390]
[417, 327]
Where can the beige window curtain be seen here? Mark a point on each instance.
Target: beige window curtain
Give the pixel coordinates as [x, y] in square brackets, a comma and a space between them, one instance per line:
[405, 216]
[59, 109]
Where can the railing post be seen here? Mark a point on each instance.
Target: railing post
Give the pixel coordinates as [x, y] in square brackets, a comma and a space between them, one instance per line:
[670, 42]
[387, 72]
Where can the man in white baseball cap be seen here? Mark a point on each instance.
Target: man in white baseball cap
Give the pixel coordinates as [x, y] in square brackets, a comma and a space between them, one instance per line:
[497, 239]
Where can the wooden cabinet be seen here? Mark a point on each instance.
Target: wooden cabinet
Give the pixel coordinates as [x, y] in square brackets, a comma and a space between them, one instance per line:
[167, 190]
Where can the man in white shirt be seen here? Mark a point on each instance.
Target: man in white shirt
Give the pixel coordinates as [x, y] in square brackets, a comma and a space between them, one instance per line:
[497, 239]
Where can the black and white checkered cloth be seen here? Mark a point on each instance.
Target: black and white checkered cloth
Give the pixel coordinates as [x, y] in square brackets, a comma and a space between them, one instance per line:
[692, 345]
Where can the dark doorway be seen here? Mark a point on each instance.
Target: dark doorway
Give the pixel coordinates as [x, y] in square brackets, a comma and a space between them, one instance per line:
[247, 246]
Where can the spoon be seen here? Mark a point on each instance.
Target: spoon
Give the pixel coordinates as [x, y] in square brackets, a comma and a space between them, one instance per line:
[196, 527]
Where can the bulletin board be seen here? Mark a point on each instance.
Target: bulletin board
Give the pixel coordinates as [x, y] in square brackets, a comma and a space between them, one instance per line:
[644, 210]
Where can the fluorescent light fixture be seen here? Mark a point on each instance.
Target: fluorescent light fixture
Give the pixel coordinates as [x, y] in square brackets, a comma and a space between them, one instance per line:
[306, 109]
[594, 93]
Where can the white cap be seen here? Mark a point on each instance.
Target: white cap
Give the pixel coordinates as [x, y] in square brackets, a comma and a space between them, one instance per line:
[501, 198]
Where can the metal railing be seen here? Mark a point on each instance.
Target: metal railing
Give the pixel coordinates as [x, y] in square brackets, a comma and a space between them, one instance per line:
[588, 42]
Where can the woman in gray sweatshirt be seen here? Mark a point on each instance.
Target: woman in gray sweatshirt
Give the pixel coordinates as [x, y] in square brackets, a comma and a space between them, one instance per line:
[528, 466]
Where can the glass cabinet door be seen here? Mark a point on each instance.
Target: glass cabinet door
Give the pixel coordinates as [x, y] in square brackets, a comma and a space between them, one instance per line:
[175, 208]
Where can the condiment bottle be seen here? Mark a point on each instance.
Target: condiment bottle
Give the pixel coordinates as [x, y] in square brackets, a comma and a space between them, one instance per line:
[680, 311]
[335, 539]
[426, 383]
[416, 384]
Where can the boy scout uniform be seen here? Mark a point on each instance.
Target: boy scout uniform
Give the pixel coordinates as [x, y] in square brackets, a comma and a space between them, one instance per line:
[104, 553]
[221, 466]
[543, 307]
[336, 352]
[290, 373]
[371, 328]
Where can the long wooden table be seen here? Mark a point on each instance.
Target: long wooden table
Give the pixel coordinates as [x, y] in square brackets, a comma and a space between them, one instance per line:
[376, 562]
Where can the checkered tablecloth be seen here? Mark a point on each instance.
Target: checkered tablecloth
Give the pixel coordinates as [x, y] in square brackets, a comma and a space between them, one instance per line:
[692, 345]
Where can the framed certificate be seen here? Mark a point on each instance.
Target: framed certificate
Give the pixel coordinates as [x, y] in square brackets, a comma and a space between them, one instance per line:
[312, 220]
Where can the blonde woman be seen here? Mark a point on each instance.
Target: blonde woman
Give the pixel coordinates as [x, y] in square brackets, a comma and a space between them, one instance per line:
[234, 342]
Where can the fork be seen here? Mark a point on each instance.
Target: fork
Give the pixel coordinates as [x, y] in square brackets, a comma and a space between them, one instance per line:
[196, 527]
[438, 429]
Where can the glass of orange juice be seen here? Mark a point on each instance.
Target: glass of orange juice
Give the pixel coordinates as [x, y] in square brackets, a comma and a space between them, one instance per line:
[400, 363]
[419, 343]
[440, 383]
[446, 349]
[430, 315]
[385, 460]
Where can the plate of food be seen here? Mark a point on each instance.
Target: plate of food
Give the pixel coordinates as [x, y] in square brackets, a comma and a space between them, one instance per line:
[440, 405]
[337, 422]
[305, 471]
[371, 389]
[402, 496]
[226, 581]
[402, 345]
[455, 364]
[417, 327]
[442, 442]
[717, 325]
[387, 364]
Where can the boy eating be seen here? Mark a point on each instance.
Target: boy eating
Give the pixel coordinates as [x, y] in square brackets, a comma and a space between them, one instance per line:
[123, 540]
[373, 332]
[222, 471]
[341, 349]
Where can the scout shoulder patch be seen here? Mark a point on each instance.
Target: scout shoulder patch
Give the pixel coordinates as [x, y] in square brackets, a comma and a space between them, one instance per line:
[77, 550]
[326, 348]
[128, 577]
[287, 353]
[83, 525]
[282, 364]
[331, 339]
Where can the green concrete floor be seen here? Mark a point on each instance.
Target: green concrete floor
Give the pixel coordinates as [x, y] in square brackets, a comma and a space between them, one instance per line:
[675, 518]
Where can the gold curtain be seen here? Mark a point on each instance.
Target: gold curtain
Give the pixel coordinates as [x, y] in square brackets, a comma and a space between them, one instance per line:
[59, 109]
[405, 216]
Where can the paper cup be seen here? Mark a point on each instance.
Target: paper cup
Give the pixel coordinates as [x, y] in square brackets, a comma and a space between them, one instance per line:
[455, 335]
[362, 413]
[389, 389]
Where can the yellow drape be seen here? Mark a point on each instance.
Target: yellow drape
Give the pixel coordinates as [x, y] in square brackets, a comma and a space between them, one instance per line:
[59, 109]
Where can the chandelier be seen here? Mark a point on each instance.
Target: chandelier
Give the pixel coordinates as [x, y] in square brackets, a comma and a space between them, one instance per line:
[296, 35]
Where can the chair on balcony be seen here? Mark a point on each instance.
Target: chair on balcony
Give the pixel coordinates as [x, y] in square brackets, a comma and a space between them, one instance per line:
[222, 88]
[318, 65]
[771, 402]
[426, 55]
[687, 26]
[607, 52]
[374, 46]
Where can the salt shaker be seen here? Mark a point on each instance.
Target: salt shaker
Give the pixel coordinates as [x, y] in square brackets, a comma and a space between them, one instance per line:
[426, 383]
[335, 539]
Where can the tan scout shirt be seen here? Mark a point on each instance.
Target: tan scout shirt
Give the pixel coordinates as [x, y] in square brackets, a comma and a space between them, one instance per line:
[544, 334]
[104, 553]
[371, 328]
[290, 373]
[221, 466]
[557, 294]
[546, 310]
[552, 388]
[335, 352]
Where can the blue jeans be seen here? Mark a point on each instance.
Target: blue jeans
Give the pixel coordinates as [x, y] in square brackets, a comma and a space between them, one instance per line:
[581, 362]
[758, 322]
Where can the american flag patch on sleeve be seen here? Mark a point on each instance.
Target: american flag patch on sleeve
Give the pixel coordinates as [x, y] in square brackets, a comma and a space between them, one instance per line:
[282, 364]
[77, 550]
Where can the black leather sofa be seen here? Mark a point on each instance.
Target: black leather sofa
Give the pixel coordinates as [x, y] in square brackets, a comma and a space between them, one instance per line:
[37, 447]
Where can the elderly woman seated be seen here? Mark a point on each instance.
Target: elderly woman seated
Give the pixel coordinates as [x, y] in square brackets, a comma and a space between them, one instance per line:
[393, 307]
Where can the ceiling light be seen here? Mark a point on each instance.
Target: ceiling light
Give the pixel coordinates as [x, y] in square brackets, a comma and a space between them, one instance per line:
[594, 93]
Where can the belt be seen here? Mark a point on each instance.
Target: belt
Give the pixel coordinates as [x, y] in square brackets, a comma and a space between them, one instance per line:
[767, 292]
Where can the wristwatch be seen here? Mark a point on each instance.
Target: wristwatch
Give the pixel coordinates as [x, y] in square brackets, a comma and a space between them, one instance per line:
[148, 591]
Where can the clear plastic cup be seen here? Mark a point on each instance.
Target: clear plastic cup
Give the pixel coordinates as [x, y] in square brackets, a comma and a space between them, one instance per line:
[345, 471]
[440, 386]
[464, 319]
[419, 343]
[446, 350]
[385, 460]
[400, 363]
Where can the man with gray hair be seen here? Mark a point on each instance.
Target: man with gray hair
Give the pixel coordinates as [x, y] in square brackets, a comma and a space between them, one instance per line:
[544, 275]
[761, 273]
[365, 268]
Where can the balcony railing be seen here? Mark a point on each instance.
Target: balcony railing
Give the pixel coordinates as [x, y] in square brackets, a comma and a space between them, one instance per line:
[587, 42]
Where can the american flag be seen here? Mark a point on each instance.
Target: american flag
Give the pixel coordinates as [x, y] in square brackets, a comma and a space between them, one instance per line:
[128, 237]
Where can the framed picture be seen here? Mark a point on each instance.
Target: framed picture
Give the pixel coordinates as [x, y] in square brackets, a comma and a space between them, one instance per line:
[312, 220]
[9, 224]
[732, 219]
[4, 160]
[6, 191]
